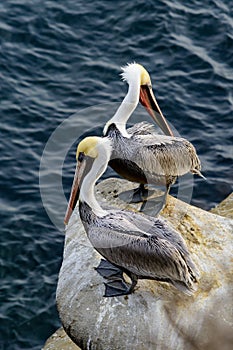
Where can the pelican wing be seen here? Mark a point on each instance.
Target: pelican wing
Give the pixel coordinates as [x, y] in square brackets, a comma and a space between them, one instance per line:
[164, 155]
[146, 257]
[155, 139]
[142, 128]
[120, 221]
[143, 226]
[129, 239]
[160, 228]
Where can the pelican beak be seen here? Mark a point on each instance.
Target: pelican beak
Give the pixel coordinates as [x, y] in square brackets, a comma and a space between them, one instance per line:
[148, 100]
[75, 190]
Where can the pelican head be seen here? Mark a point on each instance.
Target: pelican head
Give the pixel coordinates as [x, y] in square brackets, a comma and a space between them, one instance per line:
[90, 149]
[130, 70]
[93, 147]
[135, 71]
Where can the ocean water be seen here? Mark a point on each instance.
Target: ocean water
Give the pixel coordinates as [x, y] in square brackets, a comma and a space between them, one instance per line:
[59, 63]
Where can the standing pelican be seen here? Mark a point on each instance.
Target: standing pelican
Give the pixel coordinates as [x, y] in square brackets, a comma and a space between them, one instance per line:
[141, 246]
[139, 154]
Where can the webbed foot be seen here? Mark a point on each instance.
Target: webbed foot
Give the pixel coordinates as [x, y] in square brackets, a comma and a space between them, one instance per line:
[116, 287]
[116, 284]
[153, 206]
[135, 196]
[108, 270]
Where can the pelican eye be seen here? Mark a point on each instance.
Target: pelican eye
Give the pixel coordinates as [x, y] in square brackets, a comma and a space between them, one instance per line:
[147, 86]
[81, 156]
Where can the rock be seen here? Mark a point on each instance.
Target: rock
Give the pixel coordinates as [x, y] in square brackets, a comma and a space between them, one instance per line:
[225, 208]
[60, 341]
[156, 315]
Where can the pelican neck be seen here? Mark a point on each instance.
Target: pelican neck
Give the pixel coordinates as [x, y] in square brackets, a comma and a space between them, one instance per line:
[87, 191]
[126, 108]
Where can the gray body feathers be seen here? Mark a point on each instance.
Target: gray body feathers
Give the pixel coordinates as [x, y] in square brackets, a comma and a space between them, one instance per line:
[147, 157]
[144, 246]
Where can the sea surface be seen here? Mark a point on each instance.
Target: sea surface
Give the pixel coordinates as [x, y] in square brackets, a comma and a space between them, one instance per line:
[60, 62]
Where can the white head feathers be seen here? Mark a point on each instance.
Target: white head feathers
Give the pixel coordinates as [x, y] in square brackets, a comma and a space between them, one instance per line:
[132, 70]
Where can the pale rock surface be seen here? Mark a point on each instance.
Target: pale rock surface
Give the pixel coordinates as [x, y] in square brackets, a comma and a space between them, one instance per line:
[60, 341]
[156, 315]
[225, 208]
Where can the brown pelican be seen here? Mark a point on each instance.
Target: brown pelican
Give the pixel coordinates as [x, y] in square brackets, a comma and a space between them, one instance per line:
[139, 154]
[141, 246]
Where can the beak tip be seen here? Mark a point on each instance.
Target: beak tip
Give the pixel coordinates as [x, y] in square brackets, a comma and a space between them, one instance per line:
[67, 216]
[148, 100]
[75, 190]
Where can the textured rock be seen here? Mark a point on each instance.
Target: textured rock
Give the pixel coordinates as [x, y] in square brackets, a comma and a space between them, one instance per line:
[225, 208]
[156, 315]
[60, 341]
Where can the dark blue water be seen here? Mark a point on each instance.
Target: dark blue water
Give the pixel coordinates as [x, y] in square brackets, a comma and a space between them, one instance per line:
[61, 57]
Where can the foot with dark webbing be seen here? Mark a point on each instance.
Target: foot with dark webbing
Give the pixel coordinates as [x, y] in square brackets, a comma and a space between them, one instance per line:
[108, 270]
[116, 284]
[154, 205]
[136, 195]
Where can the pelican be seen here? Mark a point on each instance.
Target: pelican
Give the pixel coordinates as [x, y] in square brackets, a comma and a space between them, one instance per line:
[143, 247]
[139, 154]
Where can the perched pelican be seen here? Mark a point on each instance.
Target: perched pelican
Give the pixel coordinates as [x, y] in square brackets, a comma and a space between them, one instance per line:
[141, 246]
[139, 154]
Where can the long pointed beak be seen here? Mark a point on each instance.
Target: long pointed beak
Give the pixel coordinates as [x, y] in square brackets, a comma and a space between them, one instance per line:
[74, 194]
[148, 100]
